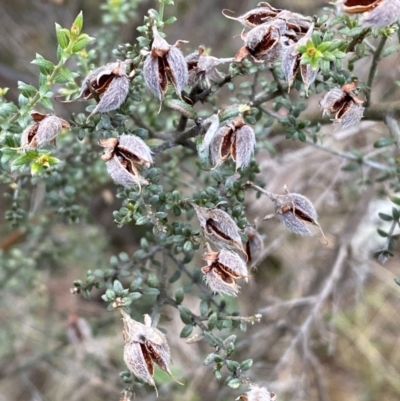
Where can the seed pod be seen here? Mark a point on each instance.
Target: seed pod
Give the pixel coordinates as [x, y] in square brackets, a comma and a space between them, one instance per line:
[256, 393]
[202, 67]
[254, 245]
[359, 6]
[260, 42]
[220, 282]
[110, 83]
[123, 155]
[144, 346]
[235, 139]
[45, 129]
[164, 63]
[294, 210]
[345, 104]
[386, 13]
[263, 13]
[219, 228]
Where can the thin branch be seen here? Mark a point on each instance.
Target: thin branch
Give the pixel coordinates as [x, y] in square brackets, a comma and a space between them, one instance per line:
[374, 65]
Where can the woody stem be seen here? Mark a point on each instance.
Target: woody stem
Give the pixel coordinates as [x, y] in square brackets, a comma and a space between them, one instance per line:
[374, 65]
[270, 195]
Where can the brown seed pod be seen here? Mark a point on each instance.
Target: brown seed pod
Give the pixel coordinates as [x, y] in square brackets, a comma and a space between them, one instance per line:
[202, 67]
[165, 63]
[294, 210]
[346, 106]
[219, 228]
[235, 139]
[45, 129]
[109, 84]
[254, 245]
[263, 13]
[256, 393]
[261, 41]
[123, 155]
[144, 346]
[360, 6]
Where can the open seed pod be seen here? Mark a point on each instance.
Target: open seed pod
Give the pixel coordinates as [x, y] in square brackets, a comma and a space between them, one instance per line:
[165, 63]
[254, 245]
[222, 270]
[235, 139]
[360, 6]
[257, 393]
[45, 129]
[145, 346]
[263, 13]
[219, 228]
[123, 156]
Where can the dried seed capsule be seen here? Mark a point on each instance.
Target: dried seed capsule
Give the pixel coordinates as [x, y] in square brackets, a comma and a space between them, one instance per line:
[256, 393]
[254, 245]
[123, 155]
[386, 13]
[45, 129]
[261, 41]
[110, 83]
[219, 228]
[202, 67]
[294, 210]
[144, 346]
[235, 139]
[219, 282]
[164, 63]
[359, 6]
[349, 116]
[263, 13]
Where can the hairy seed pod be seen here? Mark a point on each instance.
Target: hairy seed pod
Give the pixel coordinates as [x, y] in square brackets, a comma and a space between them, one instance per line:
[385, 14]
[294, 210]
[219, 228]
[228, 262]
[45, 129]
[359, 6]
[349, 116]
[254, 245]
[257, 16]
[144, 346]
[308, 75]
[220, 283]
[261, 40]
[243, 145]
[165, 63]
[123, 156]
[256, 393]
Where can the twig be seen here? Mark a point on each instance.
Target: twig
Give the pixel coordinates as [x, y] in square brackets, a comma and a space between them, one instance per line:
[357, 39]
[163, 274]
[374, 65]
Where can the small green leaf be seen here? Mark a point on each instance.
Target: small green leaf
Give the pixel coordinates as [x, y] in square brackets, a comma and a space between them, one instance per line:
[234, 383]
[26, 89]
[186, 315]
[385, 217]
[179, 295]
[77, 25]
[46, 67]
[62, 37]
[117, 286]
[232, 365]
[81, 43]
[153, 292]
[384, 141]
[397, 280]
[186, 331]
[246, 365]
[395, 200]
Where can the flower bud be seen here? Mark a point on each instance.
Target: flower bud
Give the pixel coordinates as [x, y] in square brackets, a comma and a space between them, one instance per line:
[123, 156]
[45, 129]
[164, 63]
[219, 228]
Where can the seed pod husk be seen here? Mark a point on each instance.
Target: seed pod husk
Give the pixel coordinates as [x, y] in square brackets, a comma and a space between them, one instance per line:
[384, 14]
[254, 245]
[123, 155]
[263, 13]
[109, 84]
[260, 42]
[235, 139]
[349, 116]
[202, 67]
[294, 210]
[219, 228]
[257, 393]
[165, 63]
[144, 346]
[360, 6]
[45, 129]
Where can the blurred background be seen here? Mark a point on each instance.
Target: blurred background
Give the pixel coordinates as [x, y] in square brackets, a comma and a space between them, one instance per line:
[57, 346]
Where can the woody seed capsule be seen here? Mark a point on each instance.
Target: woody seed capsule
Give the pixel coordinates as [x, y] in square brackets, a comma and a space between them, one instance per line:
[165, 63]
[45, 129]
[124, 156]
